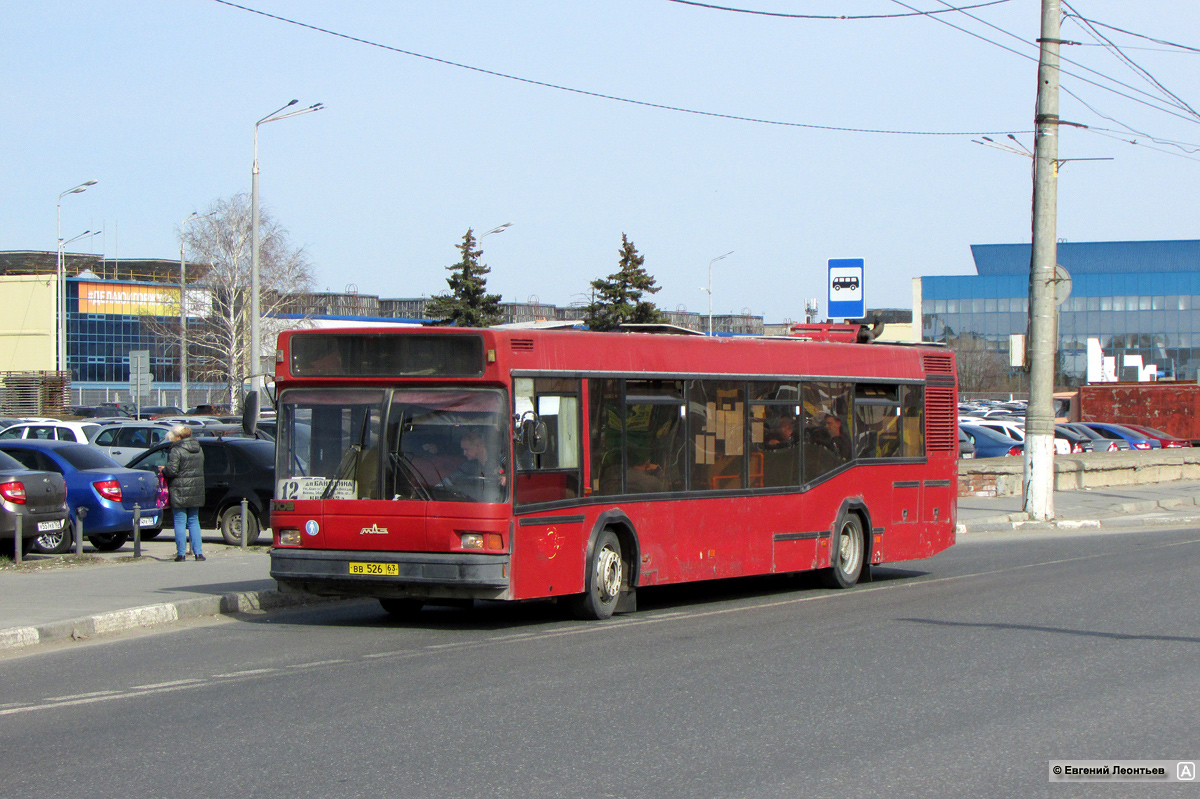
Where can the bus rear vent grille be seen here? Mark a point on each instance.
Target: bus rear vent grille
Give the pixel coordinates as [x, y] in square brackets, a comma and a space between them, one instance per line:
[525, 344]
[938, 364]
[941, 420]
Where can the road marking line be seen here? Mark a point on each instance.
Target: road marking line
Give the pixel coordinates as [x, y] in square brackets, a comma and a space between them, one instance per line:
[246, 673]
[316, 663]
[170, 684]
[77, 696]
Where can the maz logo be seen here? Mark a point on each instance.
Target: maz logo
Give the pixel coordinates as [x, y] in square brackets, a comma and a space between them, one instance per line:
[374, 529]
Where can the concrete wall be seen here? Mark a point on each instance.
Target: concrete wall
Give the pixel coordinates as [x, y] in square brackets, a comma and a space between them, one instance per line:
[27, 323]
[1001, 477]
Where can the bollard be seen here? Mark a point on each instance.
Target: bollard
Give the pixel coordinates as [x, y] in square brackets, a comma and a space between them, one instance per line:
[80, 513]
[245, 518]
[137, 530]
[18, 539]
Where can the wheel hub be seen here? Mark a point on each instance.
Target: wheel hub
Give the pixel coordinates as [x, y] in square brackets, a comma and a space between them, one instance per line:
[608, 574]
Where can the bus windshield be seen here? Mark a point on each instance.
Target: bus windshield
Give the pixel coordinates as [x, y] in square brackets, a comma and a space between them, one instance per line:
[420, 444]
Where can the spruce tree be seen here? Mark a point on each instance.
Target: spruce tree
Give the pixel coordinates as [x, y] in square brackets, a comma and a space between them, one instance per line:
[618, 299]
[468, 304]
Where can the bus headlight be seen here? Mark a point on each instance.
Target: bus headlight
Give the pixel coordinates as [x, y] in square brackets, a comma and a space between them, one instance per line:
[489, 541]
[289, 538]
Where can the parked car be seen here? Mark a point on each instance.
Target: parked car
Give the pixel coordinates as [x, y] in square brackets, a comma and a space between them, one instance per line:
[126, 440]
[154, 411]
[1073, 441]
[118, 408]
[989, 443]
[95, 482]
[92, 412]
[206, 410]
[966, 447]
[1117, 431]
[234, 468]
[1004, 427]
[191, 421]
[1166, 440]
[78, 432]
[38, 498]
[228, 431]
[1101, 443]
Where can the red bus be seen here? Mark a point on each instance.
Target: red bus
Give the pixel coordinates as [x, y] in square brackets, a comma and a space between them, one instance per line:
[420, 465]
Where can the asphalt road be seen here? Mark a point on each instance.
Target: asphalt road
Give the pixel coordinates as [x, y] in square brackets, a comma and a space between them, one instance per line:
[958, 676]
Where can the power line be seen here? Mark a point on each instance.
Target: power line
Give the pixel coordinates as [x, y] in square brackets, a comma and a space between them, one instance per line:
[1182, 145]
[1061, 58]
[1131, 33]
[832, 16]
[1137, 68]
[1062, 71]
[601, 96]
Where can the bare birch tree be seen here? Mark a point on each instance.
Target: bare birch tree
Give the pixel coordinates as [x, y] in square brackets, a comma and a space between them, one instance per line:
[223, 241]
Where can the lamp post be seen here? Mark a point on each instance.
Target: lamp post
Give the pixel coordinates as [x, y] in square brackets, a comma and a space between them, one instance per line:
[709, 289]
[183, 353]
[255, 333]
[61, 278]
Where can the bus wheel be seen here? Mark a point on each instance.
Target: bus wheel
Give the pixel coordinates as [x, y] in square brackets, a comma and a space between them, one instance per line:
[846, 560]
[402, 608]
[605, 576]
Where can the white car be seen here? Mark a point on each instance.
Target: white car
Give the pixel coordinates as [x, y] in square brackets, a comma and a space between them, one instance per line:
[1017, 433]
[123, 441]
[52, 430]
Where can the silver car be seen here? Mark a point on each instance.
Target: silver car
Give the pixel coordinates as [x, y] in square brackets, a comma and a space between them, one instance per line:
[124, 441]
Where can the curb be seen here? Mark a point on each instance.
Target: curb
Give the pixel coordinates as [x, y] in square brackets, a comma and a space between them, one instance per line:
[1127, 522]
[152, 616]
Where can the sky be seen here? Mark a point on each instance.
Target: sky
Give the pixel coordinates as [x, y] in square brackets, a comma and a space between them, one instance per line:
[157, 102]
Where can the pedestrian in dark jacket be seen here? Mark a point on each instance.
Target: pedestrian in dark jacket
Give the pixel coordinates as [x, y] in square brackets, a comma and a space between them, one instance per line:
[185, 488]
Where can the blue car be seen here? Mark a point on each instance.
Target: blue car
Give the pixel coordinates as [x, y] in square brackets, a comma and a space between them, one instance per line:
[97, 485]
[1121, 432]
[989, 443]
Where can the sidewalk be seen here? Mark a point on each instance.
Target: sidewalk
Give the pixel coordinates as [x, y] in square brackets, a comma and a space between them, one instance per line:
[48, 600]
[1145, 505]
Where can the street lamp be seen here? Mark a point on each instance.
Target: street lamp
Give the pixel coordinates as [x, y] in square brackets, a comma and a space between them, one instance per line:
[183, 353]
[61, 278]
[255, 333]
[497, 229]
[709, 289]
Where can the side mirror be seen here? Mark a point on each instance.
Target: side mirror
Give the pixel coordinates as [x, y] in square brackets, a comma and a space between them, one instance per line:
[533, 435]
[250, 413]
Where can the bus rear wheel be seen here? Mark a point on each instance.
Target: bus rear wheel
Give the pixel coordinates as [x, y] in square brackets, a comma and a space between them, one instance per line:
[846, 559]
[604, 579]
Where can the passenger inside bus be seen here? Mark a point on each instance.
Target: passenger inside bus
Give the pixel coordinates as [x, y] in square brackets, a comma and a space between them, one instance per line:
[644, 476]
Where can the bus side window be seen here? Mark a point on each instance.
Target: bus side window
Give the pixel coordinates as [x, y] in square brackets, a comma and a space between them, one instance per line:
[552, 474]
[828, 429]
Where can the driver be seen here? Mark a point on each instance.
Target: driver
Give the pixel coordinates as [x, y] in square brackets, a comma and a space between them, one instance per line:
[481, 477]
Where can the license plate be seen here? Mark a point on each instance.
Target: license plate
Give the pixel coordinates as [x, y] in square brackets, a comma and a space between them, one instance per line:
[47, 526]
[148, 521]
[384, 569]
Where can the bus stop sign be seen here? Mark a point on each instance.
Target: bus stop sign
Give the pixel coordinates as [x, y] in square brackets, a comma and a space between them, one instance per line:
[846, 288]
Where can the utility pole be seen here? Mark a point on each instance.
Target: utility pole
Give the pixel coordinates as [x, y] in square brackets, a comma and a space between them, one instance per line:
[1039, 415]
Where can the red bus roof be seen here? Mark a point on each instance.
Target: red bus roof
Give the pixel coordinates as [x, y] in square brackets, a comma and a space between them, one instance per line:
[582, 352]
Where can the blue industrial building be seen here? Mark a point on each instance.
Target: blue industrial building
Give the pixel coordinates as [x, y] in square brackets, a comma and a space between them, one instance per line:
[1136, 297]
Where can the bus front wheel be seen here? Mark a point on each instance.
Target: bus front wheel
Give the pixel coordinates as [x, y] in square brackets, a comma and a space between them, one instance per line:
[603, 581]
[846, 559]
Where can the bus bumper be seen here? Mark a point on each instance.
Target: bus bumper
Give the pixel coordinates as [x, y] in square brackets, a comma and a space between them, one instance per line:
[433, 575]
